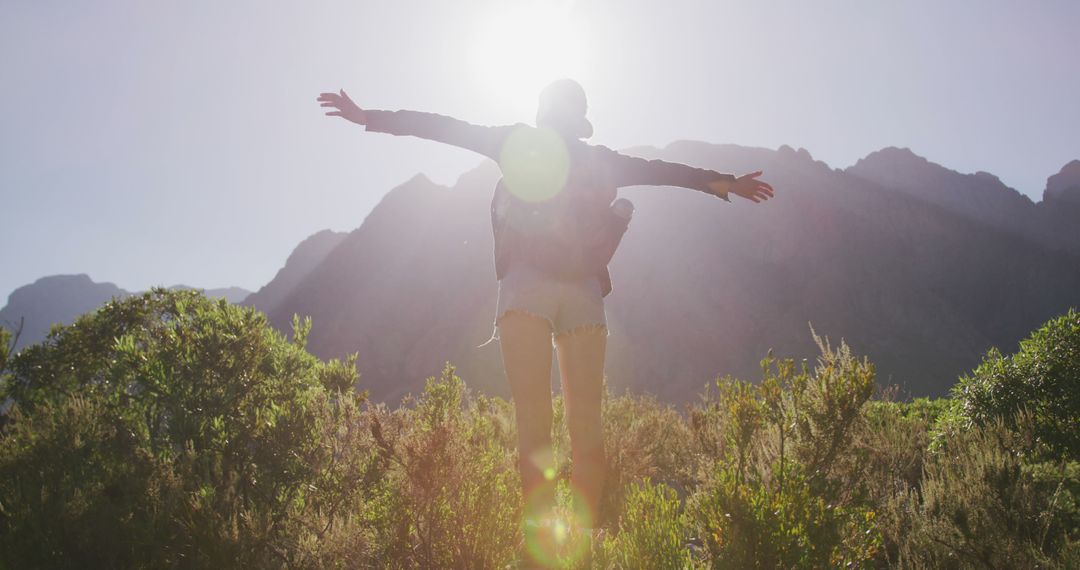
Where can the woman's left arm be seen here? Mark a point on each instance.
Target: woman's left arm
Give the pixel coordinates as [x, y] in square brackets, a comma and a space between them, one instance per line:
[634, 171]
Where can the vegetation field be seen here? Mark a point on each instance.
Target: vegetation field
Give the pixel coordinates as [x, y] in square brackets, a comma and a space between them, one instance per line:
[168, 430]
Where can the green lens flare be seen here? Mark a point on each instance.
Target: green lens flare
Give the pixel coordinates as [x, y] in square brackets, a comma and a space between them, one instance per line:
[535, 163]
[561, 530]
[562, 538]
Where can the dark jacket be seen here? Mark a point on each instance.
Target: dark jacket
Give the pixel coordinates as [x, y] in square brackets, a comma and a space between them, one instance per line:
[569, 232]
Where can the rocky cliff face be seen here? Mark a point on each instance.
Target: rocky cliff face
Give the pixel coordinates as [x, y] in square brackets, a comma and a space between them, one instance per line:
[412, 287]
[306, 257]
[1059, 212]
[980, 196]
[1064, 187]
[918, 267]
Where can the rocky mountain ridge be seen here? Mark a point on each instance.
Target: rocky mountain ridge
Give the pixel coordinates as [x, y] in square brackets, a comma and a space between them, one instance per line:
[919, 267]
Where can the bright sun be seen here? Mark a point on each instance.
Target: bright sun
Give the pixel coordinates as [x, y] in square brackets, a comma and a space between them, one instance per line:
[523, 46]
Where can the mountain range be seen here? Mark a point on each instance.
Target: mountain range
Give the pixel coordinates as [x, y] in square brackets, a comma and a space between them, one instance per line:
[33, 309]
[916, 266]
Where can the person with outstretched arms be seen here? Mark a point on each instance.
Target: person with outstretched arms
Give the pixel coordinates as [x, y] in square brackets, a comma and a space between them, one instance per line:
[557, 222]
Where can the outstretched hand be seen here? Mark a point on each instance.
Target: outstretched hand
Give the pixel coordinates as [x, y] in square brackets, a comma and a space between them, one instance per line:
[344, 106]
[747, 186]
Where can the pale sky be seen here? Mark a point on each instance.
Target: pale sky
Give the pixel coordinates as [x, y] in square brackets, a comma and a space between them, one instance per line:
[161, 142]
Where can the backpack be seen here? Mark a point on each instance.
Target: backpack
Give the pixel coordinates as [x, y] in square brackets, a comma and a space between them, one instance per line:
[557, 236]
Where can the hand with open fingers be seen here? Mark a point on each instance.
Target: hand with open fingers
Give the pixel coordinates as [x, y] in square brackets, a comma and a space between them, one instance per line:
[344, 106]
[749, 187]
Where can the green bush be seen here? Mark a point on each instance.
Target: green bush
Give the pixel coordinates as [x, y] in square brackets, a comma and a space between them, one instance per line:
[651, 531]
[982, 505]
[5, 351]
[749, 523]
[1043, 377]
[645, 440]
[892, 442]
[167, 429]
[452, 498]
[774, 495]
[887, 462]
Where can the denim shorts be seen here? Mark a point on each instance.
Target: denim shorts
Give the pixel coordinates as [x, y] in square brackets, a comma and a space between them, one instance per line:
[568, 305]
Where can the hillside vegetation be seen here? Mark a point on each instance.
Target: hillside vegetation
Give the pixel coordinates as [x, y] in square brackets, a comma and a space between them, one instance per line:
[170, 430]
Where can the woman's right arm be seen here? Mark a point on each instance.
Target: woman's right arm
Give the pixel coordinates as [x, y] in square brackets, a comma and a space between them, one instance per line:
[484, 140]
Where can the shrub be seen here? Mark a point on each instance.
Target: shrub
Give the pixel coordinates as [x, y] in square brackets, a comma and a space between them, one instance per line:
[745, 522]
[891, 446]
[5, 351]
[169, 429]
[1042, 377]
[773, 496]
[651, 531]
[453, 497]
[6, 345]
[644, 439]
[981, 504]
[887, 463]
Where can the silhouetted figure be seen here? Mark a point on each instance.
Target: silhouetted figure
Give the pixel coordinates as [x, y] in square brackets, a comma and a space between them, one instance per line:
[557, 223]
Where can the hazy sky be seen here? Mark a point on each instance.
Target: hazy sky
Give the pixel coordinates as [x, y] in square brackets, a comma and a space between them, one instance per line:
[161, 142]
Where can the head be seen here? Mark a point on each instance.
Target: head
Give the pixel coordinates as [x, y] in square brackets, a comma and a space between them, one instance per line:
[562, 108]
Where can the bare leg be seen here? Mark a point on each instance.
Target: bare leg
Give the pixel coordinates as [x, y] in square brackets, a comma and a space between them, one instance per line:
[581, 365]
[526, 350]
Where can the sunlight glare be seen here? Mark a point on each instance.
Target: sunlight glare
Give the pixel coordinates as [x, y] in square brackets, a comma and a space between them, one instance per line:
[535, 165]
[523, 46]
[561, 530]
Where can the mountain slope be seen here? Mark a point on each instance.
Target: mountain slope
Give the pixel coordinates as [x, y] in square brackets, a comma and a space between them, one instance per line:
[231, 294]
[982, 196]
[918, 283]
[59, 299]
[412, 287]
[1064, 187]
[53, 299]
[308, 255]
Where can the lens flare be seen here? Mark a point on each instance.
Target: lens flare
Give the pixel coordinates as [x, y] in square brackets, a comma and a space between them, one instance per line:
[535, 164]
[562, 538]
